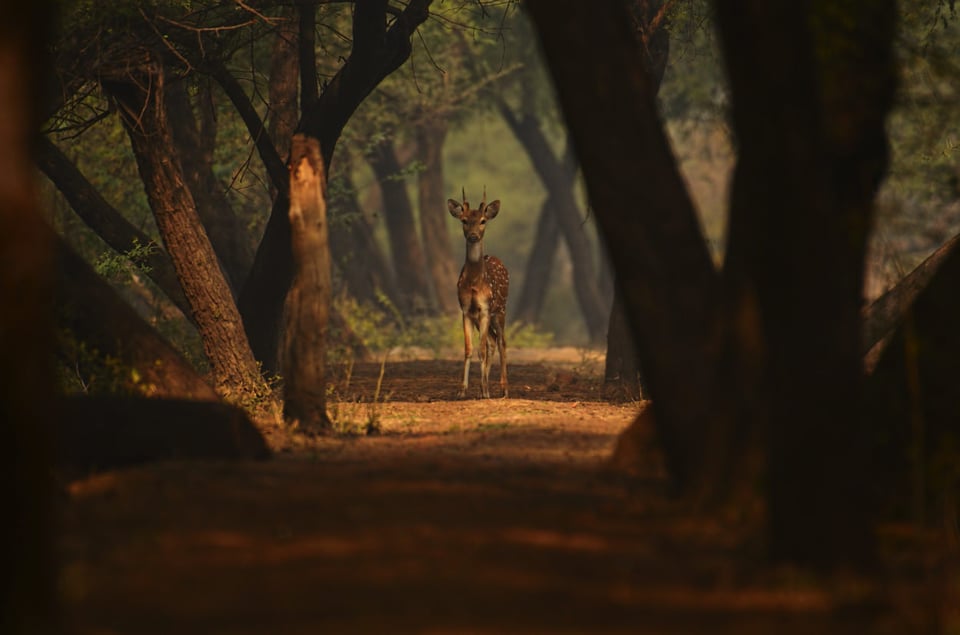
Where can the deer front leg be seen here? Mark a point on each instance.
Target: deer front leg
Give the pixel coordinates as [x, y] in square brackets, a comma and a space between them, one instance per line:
[467, 352]
[485, 355]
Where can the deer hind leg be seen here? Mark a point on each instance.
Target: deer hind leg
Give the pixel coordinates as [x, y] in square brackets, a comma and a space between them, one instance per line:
[485, 345]
[502, 345]
[467, 352]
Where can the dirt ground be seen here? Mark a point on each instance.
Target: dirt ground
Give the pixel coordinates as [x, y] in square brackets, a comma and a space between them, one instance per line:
[459, 516]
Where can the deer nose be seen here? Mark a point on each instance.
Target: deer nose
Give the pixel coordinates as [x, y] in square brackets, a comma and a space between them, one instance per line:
[473, 237]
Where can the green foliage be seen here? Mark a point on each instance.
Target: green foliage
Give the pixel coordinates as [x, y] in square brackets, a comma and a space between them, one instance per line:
[384, 328]
[84, 369]
[116, 267]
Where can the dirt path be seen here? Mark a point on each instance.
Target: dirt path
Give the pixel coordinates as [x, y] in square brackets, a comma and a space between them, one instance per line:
[459, 517]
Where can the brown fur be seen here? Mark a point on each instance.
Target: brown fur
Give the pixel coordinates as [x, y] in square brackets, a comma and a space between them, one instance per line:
[482, 290]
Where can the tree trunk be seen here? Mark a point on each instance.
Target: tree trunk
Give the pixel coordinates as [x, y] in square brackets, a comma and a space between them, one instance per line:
[540, 266]
[912, 404]
[28, 597]
[762, 362]
[377, 52]
[670, 287]
[886, 312]
[94, 313]
[308, 303]
[820, 193]
[236, 375]
[559, 183]
[195, 145]
[106, 221]
[282, 84]
[622, 374]
[442, 266]
[355, 251]
[409, 263]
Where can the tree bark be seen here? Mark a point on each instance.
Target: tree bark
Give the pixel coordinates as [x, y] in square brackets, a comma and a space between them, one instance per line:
[670, 287]
[28, 589]
[106, 221]
[377, 52]
[622, 373]
[763, 363]
[140, 101]
[94, 313]
[825, 122]
[441, 264]
[195, 145]
[282, 84]
[409, 263]
[308, 303]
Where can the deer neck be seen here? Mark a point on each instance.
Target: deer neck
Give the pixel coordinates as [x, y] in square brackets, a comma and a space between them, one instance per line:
[475, 252]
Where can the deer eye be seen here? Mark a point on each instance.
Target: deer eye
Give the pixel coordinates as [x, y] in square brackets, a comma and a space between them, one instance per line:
[483, 221]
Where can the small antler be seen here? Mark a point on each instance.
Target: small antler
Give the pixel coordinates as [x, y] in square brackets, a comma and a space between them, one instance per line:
[463, 191]
[484, 202]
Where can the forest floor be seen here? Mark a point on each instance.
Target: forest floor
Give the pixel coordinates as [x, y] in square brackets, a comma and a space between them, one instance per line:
[459, 516]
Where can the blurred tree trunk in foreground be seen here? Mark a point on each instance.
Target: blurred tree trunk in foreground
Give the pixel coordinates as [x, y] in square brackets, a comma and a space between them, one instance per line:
[745, 369]
[622, 373]
[28, 597]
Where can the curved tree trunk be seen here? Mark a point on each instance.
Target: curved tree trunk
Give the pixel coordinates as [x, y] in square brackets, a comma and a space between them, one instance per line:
[409, 263]
[748, 360]
[433, 216]
[95, 314]
[140, 101]
[622, 373]
[195, 144]
[106, 221]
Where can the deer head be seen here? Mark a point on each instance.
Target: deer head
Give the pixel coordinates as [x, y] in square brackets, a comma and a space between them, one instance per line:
[474, 220]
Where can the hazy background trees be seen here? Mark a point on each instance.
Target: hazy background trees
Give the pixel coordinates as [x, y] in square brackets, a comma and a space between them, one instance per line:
[471, 108]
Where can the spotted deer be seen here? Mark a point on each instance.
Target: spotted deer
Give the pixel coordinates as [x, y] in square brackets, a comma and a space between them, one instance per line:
[482, 289]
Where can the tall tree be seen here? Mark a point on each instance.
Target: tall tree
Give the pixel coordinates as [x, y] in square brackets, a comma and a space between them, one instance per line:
[378, 49]
[409, 261]
[431, 133]
[139, 95]
[621, 368]
[307, 307]
[746, 360]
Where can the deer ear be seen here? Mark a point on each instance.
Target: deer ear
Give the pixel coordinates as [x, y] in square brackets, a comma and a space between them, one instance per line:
[456, 209]
[492, 209]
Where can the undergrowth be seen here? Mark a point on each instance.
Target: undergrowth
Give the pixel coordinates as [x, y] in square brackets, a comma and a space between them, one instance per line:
[383, 327]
